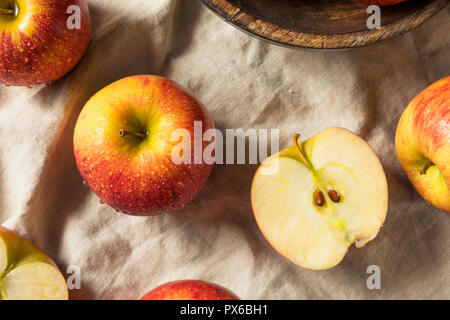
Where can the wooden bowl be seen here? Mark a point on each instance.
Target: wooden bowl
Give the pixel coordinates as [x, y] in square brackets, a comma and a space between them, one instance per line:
[322, 24]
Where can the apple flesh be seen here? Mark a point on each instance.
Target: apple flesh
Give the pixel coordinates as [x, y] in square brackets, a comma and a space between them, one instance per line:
[380, 3]
[26, 273]
[328, 192]
[190, 290]
[36, 44]
[123, 145]
[423, 143]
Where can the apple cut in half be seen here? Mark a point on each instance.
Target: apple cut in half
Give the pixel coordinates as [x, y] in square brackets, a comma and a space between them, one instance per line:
[26, 273]
[316, 198]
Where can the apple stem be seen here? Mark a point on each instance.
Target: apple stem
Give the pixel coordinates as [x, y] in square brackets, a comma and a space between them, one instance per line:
[300, 153]
[124, 133]
[7, 11]
[427, 166]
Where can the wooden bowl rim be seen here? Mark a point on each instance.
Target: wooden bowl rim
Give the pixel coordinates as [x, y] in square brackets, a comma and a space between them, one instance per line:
[286, 37]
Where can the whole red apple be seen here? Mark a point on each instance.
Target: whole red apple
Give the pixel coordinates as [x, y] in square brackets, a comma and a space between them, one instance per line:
[190, 290]
[123, 145]
[380, 3]
[41, 40]
[423, 143]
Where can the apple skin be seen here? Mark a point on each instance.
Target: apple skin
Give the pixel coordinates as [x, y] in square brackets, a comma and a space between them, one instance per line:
[190, 290]
[423, 136]
[132, 176]
[36, 46]
[21, 252]
[380, 3]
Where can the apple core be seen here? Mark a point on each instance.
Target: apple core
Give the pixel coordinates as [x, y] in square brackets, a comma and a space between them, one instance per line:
[319, 197]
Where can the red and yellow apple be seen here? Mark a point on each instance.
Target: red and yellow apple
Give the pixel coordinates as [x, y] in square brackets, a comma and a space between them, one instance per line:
[190, 290]
[36, 43]
[380, 3]
[26, 273]
[123, 145]
[327, 193]
[423, 143]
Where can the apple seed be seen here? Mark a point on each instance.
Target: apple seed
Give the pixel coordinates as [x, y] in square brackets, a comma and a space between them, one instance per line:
[334, 196]
[319, 198]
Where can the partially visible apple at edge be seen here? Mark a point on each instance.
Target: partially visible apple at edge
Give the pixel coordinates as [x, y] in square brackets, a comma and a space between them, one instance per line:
[190, 290]
[422, 143]
[40, 41]
[26, 273]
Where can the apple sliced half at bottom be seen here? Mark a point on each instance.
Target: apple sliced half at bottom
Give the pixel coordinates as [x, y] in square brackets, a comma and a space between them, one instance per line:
[325, 194]
[26, 273]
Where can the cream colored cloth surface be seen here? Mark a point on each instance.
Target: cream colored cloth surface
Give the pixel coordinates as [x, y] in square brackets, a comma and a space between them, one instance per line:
[245, 83]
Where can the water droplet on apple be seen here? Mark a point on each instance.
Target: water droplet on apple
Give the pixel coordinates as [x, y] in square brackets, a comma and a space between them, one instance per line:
[31, 45]
[179, 184]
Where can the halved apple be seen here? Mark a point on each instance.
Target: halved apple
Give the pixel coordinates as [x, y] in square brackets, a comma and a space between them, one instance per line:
[327, 193]
[26, 273]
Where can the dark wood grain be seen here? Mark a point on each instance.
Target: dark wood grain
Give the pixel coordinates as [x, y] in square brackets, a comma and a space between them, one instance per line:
[322, 24]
